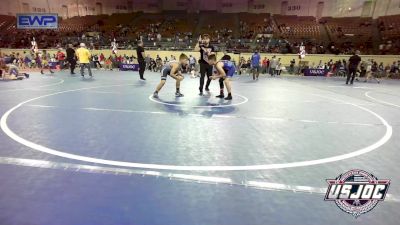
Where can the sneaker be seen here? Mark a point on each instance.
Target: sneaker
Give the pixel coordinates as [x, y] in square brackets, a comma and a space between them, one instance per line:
[178, 94]
[155, 95]
[142, 78]
[207, 89]
[220, 96]
[201, 94]
[229, 97]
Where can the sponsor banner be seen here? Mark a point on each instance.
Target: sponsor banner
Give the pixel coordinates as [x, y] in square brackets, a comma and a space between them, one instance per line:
[53, 65]
[315, 72]
[37, 21]
[129, 67]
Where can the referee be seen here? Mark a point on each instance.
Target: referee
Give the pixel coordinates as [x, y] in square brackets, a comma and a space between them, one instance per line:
[205, 49]
[354, 63]
[140, 58]
[71, 58]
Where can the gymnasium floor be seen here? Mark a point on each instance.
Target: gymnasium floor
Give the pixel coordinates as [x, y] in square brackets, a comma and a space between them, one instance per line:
[101, 151]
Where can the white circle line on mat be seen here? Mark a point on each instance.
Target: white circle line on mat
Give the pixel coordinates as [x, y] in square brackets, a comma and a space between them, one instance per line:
[41, 148]
[30, 88]
[245, 99]
[368, 95]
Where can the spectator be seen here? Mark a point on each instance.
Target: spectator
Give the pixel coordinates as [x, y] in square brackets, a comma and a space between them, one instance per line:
[273, 64]
[278, 68]
[265, 64]
[60, 58]
[291, 67]
[96, 62]
[108, 63]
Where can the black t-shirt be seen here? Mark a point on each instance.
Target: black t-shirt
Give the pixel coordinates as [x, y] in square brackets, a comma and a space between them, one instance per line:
[139, 51]
[70, 54]
[204, 54]
[354, 61]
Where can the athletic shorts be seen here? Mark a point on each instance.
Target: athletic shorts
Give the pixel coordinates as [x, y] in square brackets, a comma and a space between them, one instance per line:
[256, 68]
[165, 73]
[14, 71]
[230, 73]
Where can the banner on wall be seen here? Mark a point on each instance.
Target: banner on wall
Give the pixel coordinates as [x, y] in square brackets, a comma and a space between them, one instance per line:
[129, 67]
[315, 72]
[53, 65]
[37, 21]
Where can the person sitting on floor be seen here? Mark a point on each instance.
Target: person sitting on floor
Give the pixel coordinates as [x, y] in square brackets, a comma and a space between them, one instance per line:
[11, 72]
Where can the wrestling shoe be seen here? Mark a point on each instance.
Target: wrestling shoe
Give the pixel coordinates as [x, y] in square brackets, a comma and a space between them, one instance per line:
[178, 94]
[229, 97]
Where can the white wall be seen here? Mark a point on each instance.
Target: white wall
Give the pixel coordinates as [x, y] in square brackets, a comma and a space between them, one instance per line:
[345, 8]
[334, 8]
[387, 7]
[393, 7]
[10, 7]
[149, 6]
[233, 6]
[207, 5]
[175, 5]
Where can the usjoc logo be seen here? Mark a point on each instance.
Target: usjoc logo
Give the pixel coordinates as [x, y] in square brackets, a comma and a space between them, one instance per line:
[37, 21]
[356, 191]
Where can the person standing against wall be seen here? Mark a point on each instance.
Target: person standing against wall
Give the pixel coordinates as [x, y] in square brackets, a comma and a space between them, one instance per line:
[141, 59]
[272, 65]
